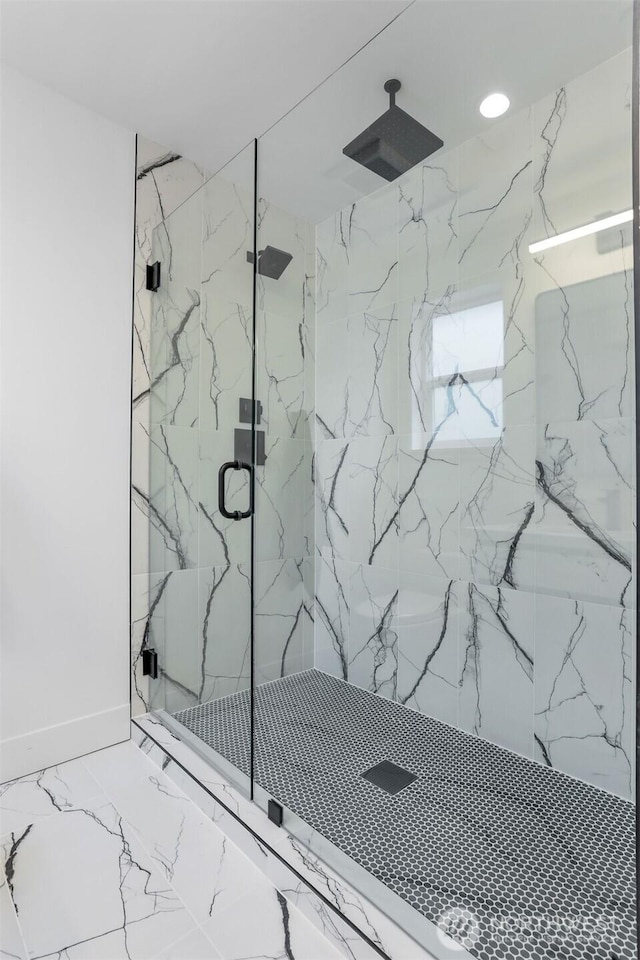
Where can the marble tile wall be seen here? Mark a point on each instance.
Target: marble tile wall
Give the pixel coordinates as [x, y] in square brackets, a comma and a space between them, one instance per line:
[193, 363]
[474, 436]
[446, 513]
[285, 345]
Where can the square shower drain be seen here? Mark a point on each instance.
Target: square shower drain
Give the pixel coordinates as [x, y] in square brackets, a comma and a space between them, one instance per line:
[389, 776]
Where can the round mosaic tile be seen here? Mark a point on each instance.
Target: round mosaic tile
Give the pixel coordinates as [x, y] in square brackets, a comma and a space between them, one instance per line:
[512, 859]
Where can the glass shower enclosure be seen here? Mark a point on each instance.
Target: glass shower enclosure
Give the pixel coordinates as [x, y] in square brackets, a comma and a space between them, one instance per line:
[393, 469]
[201, 450]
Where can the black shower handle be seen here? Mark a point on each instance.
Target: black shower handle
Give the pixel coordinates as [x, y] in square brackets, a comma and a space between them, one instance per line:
[222, 473]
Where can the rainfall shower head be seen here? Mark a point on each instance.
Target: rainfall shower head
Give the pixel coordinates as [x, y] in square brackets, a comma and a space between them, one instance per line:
[271, 262]
[394, 142]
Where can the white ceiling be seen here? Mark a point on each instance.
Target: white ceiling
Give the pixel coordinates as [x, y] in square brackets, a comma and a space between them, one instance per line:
[448, 54]
[202, 77]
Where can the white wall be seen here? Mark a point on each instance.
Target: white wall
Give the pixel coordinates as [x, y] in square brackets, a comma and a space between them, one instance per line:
[66, 220]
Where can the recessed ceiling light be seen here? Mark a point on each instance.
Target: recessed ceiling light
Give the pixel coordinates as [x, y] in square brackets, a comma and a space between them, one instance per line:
[494, 105]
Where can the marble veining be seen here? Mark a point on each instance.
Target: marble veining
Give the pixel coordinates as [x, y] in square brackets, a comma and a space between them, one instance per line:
[227, 806]
[585, 493]
[497, 666]
[449, 436]
[474, 454]
[445, 516]
[164, 181]
[584, 691]
[198, 361]
[373, 632]
[429, 611]
[108, 857]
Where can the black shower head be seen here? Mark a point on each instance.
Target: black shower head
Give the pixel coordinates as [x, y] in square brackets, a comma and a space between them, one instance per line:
[271, 262]
[394, 142]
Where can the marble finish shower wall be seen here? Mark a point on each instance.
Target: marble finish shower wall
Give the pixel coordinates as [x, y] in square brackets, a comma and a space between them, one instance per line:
[285, 340]
[474, 456]
[194, 606]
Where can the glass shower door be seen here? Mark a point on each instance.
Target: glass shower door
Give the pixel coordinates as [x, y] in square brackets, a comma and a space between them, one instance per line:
[201, 490]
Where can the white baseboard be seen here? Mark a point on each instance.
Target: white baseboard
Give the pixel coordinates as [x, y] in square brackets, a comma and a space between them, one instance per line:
[49, 746]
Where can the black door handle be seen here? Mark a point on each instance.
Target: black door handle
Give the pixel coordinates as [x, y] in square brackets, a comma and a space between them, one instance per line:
[222, 473]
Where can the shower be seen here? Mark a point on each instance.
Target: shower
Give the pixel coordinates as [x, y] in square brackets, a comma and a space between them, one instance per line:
[394, 142]
[271, 262]
[423, 630]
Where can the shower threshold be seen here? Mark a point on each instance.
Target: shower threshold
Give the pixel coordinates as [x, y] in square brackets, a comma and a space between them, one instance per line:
[525, 861]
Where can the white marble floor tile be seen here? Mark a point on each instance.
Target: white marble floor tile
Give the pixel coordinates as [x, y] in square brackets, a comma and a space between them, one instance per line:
[39, 795]
[194, 946]
[267, 928]
[80, 876]
[207, 872]
[105, 858]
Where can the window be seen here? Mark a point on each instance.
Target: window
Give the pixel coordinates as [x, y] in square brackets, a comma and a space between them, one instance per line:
[464, 375]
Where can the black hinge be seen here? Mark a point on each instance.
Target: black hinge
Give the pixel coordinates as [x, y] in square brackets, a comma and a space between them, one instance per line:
[275, 813]
[150, 664]
[153, 276]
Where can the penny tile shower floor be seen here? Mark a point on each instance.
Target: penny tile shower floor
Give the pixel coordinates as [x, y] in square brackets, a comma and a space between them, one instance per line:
[106, 859]
[539, 865]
